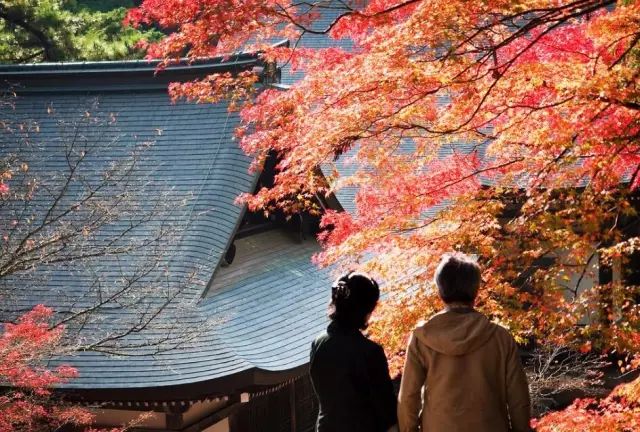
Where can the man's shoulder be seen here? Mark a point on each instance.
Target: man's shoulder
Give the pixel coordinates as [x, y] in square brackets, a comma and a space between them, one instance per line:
[442, 314]
[424, 323]
[502, 333]
[501, 328]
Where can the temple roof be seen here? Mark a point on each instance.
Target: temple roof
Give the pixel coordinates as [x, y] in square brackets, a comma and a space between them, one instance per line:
[184, 170]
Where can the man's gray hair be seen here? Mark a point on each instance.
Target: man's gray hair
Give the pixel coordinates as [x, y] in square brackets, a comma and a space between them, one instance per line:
[457, 278]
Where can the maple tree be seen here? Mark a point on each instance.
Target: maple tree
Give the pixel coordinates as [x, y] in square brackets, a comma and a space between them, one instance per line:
[24, 348]
[620, 411]
[30, 405]
[507, 129]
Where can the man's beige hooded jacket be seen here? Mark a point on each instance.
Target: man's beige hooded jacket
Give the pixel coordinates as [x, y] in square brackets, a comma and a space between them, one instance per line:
[472, 377]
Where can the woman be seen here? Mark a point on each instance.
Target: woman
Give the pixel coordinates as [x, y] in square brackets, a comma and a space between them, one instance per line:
[349, 372]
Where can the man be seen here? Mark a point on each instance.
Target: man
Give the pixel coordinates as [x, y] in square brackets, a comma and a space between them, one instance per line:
[469, 368]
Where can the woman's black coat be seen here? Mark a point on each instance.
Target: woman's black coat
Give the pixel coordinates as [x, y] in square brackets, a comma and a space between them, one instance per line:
[351, 379]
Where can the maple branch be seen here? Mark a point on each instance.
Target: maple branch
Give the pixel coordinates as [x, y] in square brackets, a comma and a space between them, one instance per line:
[332, 24]
[584, 270]
[626, 52]
[504, 67]
[626, 104]
[522, 30]
[285, 14]
[473, 174]
[553, 163]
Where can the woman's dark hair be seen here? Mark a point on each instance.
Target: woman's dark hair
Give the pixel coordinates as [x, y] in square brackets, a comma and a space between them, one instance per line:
[353, 297]
[457, 278]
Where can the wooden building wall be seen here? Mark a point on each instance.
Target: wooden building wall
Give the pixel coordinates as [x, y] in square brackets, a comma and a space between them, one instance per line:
[290, 408]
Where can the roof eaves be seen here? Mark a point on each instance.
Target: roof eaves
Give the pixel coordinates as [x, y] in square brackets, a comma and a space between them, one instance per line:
[278, 86]
[127, 67]
[247, 380]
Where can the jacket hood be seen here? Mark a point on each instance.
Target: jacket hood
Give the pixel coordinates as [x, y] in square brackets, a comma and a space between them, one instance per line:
[456, 332]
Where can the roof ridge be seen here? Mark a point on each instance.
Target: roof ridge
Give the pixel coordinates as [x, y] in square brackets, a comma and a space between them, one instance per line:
[136, 64]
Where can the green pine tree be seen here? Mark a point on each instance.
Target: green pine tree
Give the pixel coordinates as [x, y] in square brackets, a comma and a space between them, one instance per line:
[68, 30]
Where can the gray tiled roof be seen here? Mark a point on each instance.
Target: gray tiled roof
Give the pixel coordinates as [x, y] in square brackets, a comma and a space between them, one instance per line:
[273, 299]
[248, 328]
[269, 305]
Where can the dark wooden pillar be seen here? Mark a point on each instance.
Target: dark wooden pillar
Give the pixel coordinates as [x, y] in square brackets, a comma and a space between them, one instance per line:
[605, 278]
[292, 406]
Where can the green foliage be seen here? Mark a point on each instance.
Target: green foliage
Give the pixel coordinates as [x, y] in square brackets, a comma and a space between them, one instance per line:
[68, 30]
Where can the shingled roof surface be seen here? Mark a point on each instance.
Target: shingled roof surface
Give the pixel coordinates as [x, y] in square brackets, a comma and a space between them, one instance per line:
[190, 167]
